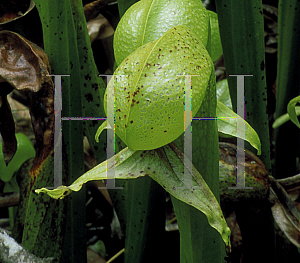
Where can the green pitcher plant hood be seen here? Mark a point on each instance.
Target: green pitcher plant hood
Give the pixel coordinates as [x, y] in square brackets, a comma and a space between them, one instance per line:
[149, 93]
[148, 20]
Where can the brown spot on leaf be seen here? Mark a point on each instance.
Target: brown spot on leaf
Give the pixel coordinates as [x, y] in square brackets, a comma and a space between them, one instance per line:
[89, 97]
[95, 86]
[87, 77]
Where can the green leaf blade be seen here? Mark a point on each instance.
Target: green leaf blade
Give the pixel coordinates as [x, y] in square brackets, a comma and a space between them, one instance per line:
[99, 172]
[284, 118]
[199, 196]
[227, 123]
[292, 110]
[216, 46]
[223, 94]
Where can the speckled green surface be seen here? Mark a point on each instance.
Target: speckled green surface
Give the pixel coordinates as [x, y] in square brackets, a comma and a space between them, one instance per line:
[149, 98]
[148, 20]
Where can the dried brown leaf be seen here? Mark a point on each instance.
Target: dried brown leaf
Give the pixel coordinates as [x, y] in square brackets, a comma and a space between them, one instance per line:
[285, 213]
[92, 9]
[25, 66]
[15, 9]
[291, 186]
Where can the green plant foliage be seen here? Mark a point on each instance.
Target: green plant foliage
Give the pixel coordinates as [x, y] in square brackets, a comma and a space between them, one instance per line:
[292, 110]
[144, 207]
[24, 152]
[215, 45]
[242, 35]
[123, 5]
[41, 216]
[226, 120]
[12, 186]
[284, 118]
[227, 124]
[148, 20]
[287, 137]
[149, 97]
[223, 94]
[165, 166]
[65, 42]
